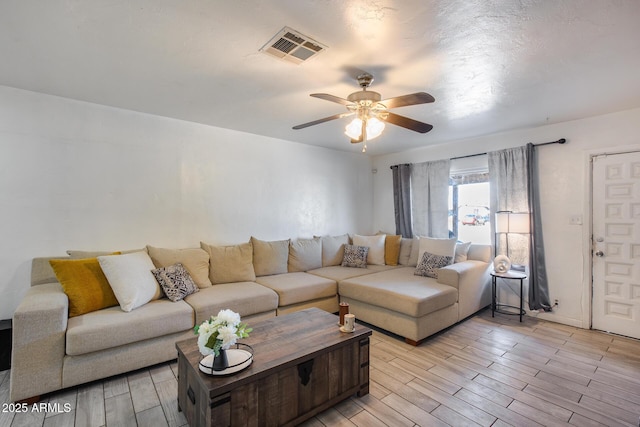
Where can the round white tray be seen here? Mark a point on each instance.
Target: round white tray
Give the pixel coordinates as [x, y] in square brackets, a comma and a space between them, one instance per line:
[239, 359]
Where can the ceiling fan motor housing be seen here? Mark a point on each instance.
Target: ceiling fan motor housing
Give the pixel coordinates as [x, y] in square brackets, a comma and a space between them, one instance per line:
[365, 97]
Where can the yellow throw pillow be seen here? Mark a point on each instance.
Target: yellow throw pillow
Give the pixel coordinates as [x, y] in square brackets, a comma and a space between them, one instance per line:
[392, 249]
[85, 284]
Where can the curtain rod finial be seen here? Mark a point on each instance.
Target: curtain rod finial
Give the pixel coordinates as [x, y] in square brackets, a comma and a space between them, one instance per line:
[562, 141]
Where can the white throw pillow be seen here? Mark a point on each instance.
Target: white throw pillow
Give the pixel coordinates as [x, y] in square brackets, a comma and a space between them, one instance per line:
[131, 279]
[444, 247]
[375, 245]
[462, 249]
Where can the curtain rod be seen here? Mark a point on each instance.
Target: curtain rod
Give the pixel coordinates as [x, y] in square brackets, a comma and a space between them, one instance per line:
[560, 141]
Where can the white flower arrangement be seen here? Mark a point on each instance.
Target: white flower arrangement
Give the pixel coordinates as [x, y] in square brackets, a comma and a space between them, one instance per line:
[220, 332]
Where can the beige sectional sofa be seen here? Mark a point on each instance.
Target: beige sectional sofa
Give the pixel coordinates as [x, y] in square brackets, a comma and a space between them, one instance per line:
[259, 279]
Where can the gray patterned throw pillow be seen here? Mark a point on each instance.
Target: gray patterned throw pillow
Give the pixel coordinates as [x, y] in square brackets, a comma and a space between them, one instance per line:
[355, 256]
[176, 282]
[430, 263]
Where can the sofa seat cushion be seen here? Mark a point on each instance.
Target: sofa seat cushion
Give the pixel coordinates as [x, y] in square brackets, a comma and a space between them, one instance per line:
[112, 327]
[245, 298]
[298, 287]
[400, 290]
[339, 272]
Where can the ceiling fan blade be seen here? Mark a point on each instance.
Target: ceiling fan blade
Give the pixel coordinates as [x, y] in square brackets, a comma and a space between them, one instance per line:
[326, 119]
[408, 123]
[332, 98]
[411, 99]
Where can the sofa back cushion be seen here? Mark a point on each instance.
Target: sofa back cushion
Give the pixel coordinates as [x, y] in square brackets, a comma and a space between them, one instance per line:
[270, 257]
[42, 272]
[78, 254]
[405, 251]
[376, 247]
[194, 260]
[333, 249]
[305, 254]
[462, 251]
[230, 263]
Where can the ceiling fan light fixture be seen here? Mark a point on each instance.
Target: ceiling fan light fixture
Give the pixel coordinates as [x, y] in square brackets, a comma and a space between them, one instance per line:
[374, 128]
[372, 112]
[354, 129]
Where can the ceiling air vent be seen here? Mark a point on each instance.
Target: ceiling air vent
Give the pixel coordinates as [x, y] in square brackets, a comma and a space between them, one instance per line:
[292, 46]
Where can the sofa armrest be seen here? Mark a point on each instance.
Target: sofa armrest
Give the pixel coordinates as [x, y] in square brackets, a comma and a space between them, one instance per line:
[461, 273]
[472, 280]
[38, 348]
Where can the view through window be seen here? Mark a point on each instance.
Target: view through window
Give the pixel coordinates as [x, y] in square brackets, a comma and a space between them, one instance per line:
[469, 208]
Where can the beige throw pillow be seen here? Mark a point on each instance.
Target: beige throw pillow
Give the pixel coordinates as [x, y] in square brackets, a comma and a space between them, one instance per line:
[415, 251]
[305, 254]
[405, 251]
[194, 260]
[131, 279]
[333, 249]
[270, 257]
[375, 244]
[230, 264]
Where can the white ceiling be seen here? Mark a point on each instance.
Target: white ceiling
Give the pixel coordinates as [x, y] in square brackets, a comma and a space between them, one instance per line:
[491, 65]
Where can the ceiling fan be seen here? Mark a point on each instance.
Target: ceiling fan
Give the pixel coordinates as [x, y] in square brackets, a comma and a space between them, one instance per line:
[372, 112]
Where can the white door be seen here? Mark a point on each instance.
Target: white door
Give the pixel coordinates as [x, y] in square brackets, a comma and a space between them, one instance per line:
[616, 243]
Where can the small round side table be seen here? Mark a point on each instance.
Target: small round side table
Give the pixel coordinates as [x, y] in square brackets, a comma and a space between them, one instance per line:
[504, 308]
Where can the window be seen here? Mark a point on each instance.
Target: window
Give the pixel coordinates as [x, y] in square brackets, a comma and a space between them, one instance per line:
[469, 207]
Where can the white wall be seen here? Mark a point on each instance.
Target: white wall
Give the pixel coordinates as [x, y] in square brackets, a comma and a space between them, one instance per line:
[565, 188]
[76, 175]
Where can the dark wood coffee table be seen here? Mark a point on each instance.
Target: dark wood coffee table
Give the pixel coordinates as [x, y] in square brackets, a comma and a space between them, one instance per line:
[302, 365]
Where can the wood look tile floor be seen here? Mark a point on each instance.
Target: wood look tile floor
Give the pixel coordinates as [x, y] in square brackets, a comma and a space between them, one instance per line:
[485, 371]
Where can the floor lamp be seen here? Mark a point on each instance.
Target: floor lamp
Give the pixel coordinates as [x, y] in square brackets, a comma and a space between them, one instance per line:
[508, 222]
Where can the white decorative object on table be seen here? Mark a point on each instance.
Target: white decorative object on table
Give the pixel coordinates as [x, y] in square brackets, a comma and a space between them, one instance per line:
[349, 323]
[501, 264]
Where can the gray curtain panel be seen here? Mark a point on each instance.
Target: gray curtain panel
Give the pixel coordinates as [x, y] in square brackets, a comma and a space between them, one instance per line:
[538, 283]
[430, 198]
[509, 188]
[514, 187]
[402, 199]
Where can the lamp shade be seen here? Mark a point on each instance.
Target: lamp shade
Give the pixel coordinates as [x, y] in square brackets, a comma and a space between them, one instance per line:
[519, 223]
[502, 222]
[509, 222]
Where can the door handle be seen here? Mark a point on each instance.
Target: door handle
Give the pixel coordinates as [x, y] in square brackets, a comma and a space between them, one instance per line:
[599, 253]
